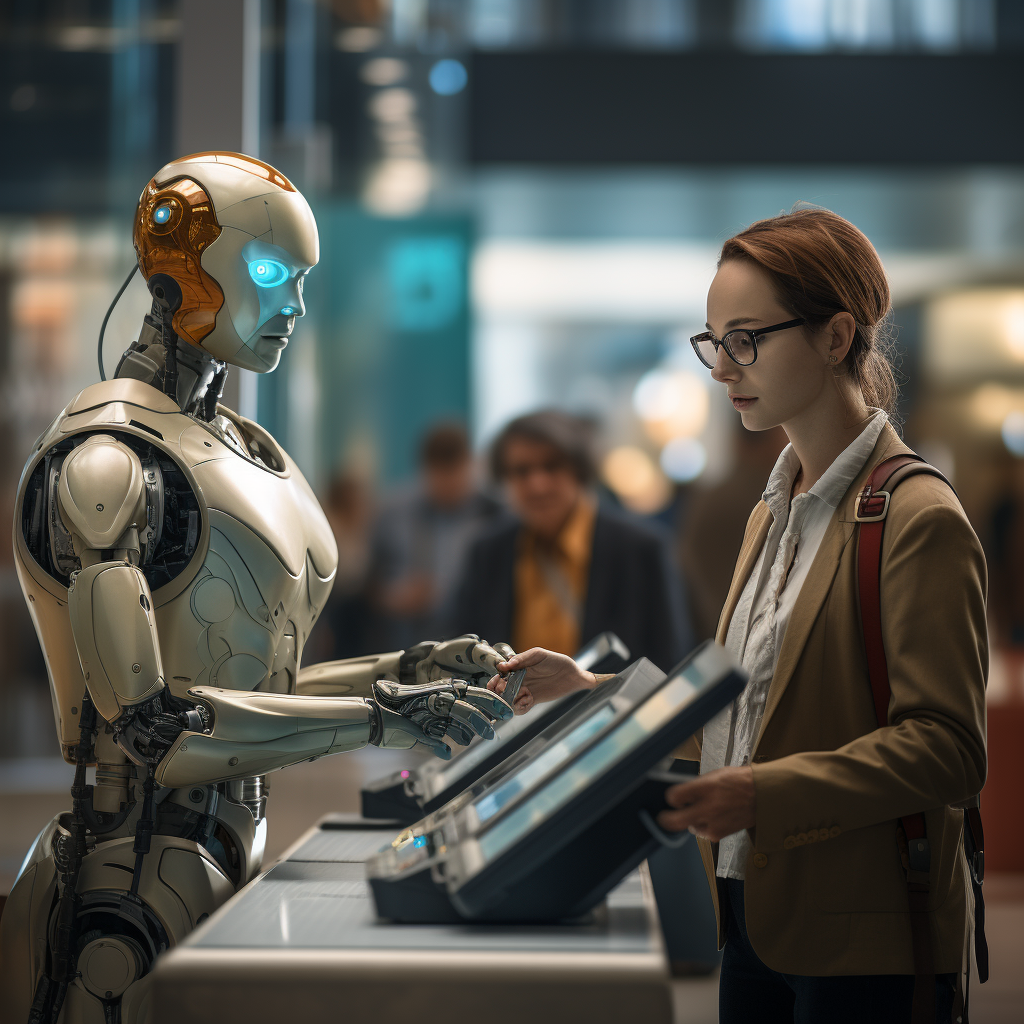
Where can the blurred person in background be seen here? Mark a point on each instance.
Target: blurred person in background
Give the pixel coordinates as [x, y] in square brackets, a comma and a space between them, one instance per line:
[712, 530]
[340, 632]
[421, 536]
[566, 568]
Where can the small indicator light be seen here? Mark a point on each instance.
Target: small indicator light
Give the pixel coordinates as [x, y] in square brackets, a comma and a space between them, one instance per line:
[419, 841]
[404, 773]
[287, 310]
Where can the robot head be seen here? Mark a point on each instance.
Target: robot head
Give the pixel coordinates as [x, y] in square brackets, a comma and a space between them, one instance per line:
[238, 239]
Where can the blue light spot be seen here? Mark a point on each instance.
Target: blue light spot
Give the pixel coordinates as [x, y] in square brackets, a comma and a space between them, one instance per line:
[268, 273]
[287, 310]
[162, 214]
[447, 77]
[427, 282]
[419, 841]
[1013, 433]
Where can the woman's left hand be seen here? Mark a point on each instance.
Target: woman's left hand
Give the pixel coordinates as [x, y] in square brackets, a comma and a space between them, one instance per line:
[713, 806]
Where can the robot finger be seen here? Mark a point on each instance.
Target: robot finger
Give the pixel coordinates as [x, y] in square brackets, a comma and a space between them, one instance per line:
[505, 651]
[462, 734]
[488, 702]
[485, 657]
[467, 715]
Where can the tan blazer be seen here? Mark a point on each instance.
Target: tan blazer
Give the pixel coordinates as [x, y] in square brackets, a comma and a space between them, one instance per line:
[825, 891]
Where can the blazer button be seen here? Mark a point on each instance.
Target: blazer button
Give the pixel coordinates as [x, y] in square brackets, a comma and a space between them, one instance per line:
[760, 860]
[834, 831]
[789, 842]
[823, 834]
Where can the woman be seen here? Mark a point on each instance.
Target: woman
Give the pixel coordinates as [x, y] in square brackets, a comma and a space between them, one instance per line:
[800, 791]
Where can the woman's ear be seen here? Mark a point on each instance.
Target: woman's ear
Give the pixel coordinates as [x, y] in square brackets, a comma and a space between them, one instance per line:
[840, 333]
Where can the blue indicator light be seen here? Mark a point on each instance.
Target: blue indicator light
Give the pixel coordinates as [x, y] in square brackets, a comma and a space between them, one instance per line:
[419, 841]
[162, 214]
[447, 77]
[287, 310]
[268, 273]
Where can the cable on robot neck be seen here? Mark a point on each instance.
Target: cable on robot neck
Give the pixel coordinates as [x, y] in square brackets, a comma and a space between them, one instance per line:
[166, 300]
[181, 370]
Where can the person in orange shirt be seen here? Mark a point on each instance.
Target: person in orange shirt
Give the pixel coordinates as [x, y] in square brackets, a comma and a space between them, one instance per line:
[566, 567]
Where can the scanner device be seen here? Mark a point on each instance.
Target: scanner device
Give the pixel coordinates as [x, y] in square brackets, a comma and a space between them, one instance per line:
[545, 835]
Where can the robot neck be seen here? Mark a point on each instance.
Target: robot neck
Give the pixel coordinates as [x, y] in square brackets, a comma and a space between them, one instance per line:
[160, 358]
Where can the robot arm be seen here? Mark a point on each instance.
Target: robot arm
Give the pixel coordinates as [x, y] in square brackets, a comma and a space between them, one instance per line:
[352, 677]
[255, 733]
[101, 500]
[467, 657]
[101, 497]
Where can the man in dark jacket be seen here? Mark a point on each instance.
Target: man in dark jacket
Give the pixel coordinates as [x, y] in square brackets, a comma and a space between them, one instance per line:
[566, 568]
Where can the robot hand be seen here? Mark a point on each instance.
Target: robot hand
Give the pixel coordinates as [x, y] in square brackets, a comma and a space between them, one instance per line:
[425, 712]
[466, 656]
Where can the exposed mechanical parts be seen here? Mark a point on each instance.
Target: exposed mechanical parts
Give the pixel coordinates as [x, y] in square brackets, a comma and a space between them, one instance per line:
[146, 731]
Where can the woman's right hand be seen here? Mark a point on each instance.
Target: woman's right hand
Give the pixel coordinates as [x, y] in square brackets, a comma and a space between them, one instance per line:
[548, 676]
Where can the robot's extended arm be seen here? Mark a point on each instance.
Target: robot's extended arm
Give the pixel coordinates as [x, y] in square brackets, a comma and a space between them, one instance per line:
[255, 733]
[217, 734]
[466, 657]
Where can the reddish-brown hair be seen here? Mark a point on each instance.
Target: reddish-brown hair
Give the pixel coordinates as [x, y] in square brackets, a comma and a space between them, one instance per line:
[821, 265]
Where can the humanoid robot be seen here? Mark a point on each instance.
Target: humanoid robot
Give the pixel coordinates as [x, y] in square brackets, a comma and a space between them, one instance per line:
[174, 560]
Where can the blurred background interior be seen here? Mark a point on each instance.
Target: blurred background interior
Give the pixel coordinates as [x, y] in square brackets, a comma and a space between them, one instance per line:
[520, 204]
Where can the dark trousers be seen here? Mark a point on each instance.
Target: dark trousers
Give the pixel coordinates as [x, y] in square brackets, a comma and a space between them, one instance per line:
[750, 991]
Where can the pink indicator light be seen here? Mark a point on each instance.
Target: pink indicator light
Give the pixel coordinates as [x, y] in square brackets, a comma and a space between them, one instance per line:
[404, 773]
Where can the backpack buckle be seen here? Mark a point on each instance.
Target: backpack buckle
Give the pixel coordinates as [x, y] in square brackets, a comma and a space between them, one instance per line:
[872, 506]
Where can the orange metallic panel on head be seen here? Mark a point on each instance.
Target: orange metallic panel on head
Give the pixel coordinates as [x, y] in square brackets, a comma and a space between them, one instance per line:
[174, 223]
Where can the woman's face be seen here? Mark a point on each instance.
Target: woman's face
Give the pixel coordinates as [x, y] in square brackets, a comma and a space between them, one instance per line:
[792, 367]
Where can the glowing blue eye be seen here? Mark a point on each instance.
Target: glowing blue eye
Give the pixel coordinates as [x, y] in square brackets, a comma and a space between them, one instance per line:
[268, 273]
[162, 214]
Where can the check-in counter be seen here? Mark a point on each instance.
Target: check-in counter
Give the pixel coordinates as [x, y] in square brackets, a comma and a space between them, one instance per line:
[303, 942]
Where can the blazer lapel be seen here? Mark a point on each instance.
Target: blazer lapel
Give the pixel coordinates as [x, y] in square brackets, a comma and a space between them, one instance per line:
[753, 541]
[822, 572]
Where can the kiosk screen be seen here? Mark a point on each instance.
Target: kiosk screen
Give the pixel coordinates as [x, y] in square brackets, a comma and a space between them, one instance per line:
[557, 754]
[646, 720]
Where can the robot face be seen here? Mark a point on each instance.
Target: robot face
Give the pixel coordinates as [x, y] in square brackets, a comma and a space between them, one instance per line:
[265, 243]
[277, 277]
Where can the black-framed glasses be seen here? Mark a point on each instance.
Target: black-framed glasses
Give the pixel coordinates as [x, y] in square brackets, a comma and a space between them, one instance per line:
[740, 345]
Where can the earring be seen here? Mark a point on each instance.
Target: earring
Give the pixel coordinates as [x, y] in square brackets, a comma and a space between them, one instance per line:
[831, 359]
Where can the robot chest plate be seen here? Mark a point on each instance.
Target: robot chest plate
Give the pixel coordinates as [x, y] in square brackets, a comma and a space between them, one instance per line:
[268, 569]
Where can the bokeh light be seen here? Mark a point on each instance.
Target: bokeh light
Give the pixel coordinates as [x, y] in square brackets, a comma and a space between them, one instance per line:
[447, 77]
[683, 459]
[633, 475]
[671, 403]
[1013, 433]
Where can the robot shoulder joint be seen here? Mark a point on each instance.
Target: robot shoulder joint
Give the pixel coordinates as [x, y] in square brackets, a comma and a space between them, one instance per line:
[101, 491]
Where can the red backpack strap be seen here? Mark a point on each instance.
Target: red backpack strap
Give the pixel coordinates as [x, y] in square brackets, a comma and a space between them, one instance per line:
[871, 511]
[870, 515]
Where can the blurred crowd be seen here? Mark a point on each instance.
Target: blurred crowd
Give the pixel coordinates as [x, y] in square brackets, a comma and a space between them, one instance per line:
[522, 543]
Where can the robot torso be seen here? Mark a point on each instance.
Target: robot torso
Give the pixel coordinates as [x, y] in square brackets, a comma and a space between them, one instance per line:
[237, 551]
